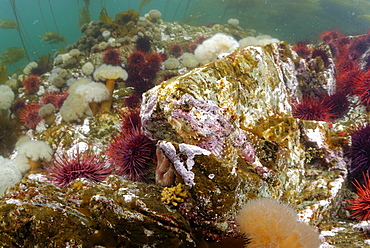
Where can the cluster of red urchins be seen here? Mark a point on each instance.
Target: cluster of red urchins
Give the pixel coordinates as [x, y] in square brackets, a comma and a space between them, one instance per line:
[131, 152]
[305, 52]
[353, 78]
[142, 69]
[57, 99]
[321, 108]
[351, 67]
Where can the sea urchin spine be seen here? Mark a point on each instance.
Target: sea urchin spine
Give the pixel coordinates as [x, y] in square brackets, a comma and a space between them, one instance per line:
[132, 153]
[359, 152]
[360, 204]
[64, 168]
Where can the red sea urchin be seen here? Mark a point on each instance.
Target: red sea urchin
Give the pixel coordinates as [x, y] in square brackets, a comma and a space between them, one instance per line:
[112, 57]
[301, 49]
[130, 120]
[143, 44]
[132, 153]
[328, 36]
[192, 46]
[136, 60]
[64, 168]
[29, 115]
[31, 84]
[176, 50]
[362, 87]
[57, 99]
[360, 204]
[313, 109]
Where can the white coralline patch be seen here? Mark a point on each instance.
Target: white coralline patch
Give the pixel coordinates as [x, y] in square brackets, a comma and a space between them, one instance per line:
[40, 127]
[332, 232]
[85, 128]
[362, 226]
[41, 90]
[316, 136]
[211, 176]
[190, 151]
[38, 177]
[170, 152]
[14, 201]
[336, 186]
[128, 196]
[79, 147]
[148, 232]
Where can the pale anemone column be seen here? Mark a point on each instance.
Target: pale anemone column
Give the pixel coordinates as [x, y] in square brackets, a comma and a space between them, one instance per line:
[110, 74]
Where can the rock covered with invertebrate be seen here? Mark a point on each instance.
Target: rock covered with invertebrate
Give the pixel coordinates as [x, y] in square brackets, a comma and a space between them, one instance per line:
[114, 208]
[238, 110]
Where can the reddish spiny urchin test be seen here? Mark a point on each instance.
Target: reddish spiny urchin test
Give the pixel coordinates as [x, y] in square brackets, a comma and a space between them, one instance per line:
[301, 49]
[31, 84]
[56, 99]
[322, 54]
[192, 46]
[176, 50]
[132, 153]
[130, 120]
[136, 60]
[360, 204]
[133, 101]
[112, 57]
[65, 168]
[143, 44]
[327, 36]
[313, 109]
[29, 115]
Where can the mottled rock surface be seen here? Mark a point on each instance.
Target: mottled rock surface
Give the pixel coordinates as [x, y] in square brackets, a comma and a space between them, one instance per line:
[239, 109]
[114, 213]
[225, 130]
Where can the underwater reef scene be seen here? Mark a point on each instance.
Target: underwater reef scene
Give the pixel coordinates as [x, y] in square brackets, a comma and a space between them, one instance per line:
[144, 132]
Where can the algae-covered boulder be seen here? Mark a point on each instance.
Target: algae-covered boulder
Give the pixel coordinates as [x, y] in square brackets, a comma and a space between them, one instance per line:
[113, 213]
[227, 129]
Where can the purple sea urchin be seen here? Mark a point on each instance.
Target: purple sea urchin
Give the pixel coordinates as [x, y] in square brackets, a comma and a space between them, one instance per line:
[132, 153]
[64, 168]
[359, 152]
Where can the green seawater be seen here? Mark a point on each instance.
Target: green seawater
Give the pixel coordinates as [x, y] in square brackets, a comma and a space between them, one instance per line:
[299, 20]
